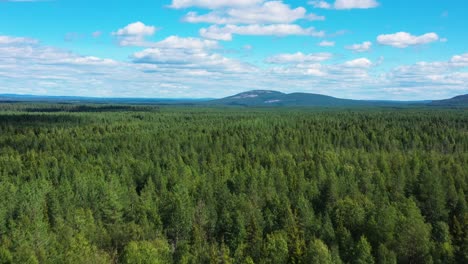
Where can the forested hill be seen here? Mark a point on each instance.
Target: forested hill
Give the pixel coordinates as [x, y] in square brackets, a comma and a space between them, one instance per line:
[268, 98]
[274, 98]
[255, 98]
[461, 100]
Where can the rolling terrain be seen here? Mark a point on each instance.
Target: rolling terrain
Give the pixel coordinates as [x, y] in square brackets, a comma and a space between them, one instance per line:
[267, 98]
[461, 100]
[254, 98]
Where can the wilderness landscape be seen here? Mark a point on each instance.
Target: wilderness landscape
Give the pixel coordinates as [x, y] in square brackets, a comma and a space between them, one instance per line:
[233, 131]
[203, 184]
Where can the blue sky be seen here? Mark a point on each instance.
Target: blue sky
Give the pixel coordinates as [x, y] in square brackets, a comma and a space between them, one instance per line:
[362, 49]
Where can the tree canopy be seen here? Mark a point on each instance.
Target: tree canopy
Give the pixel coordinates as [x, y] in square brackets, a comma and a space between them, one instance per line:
[232, 185]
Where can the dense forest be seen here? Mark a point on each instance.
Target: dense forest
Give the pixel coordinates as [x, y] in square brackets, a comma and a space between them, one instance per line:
[103, 184]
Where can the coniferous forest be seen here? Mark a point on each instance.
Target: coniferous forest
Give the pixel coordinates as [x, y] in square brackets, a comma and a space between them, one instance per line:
[115, 184]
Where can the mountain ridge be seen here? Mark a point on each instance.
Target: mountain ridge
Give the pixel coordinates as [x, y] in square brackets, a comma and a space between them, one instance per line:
[275, 98]
[459, 100]
[252, 98]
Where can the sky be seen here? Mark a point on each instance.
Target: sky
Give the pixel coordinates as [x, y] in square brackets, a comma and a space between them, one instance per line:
[358, 49]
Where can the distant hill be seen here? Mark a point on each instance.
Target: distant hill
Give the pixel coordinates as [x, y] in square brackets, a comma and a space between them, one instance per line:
[260, 98]
[461, 100]
[274, 98]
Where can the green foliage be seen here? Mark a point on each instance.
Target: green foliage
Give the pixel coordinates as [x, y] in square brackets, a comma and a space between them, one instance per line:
[276, 248]
[5, 256]
[413, 235]
[105, 184]
[386, 256]
[318, 253]
[147, 252]
[362, 252]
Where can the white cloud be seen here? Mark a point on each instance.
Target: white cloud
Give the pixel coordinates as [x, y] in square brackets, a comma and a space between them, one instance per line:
[189, 53]
[7, 40]
[300, 70]
[345, 4]
[259, 18]
[174, 72]
[422, 78]
[49, 56]
[268, 12]
[87, 60]
[327, 43]
[460, 60]
[403, 39]
[299, 57]
[351, 4]
[358, 63]
[341, 78]
[176, 42]
[213, 4]
[225, 33]
[191, 67]
[314, 17]
[321, 4]
[136, 29]
[431, 68]
[37, 69]
[134, 34]
[363, 47]
[189, 59]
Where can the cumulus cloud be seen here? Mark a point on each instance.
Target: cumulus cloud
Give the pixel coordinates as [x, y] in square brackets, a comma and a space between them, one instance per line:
[321, 4]
[268, 12]
[457, 62]
[350, 4]
[192, 67]
[327, 43]
[460, 60]
[343, 77]
[213, 4]
[190, 53]
[345, 4]
[176, 42]
[363, 47]
[260, 18]
[33, 68]
[44, 55]
[359, 63]
[86, 60]
[404, 39]
[437, 77]
[300, 70]
[299, 57]
[174, 72]
[134, 34]
[226, 32]
[8, 40]
[136, 29]
[201, 60]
